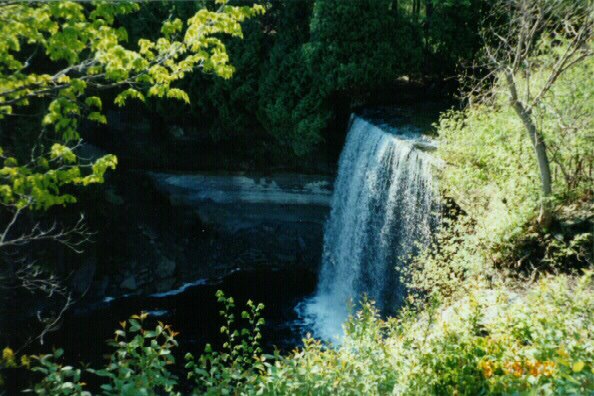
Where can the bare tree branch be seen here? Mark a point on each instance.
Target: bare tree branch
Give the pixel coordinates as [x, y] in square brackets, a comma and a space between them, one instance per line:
[51, 324]
[72, 237]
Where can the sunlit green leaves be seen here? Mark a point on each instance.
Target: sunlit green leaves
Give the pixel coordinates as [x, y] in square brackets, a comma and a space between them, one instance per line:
[492, 173]
[87, 39]
[63, 153]
[120, 100]
[172, 27]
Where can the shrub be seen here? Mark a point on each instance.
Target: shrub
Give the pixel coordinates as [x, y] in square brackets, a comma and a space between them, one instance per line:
[141, 359]
[503, 340]
[496, 341]
[491, 173]
[217, 373]
[57, 379]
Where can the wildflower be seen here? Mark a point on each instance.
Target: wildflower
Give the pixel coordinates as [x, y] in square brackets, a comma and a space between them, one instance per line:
[8, 357]
[7, 354]
[518, 369]
[534, 368]
[549, 368]
[487, 368]
[514, 368]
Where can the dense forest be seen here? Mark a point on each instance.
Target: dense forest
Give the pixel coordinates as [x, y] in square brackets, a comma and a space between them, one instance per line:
[297, 197]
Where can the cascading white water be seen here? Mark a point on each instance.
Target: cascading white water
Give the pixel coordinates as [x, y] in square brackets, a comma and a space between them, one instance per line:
[383, 211]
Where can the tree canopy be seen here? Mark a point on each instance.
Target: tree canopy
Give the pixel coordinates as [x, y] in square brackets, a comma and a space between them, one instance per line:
[64, 53]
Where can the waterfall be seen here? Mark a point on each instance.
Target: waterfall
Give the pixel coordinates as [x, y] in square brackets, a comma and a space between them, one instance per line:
[383, 212]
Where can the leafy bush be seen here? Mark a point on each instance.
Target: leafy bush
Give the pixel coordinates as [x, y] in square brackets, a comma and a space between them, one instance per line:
[536, 339]
[499, 341]
[217, 372]
[142, 360]
[140, 363]
[139, 366]
[495, 341]
[57, 379]
[492, 175]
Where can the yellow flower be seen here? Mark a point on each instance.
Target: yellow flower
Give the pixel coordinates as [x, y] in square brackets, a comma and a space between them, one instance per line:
[534, 368]
[8, 357]
[514, 368]
[518, 369]
[488, 372]
[549, 368]
[8, 354]
[487, 368]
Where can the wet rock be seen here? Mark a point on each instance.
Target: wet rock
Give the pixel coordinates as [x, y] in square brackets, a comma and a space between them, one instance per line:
[113, 198]
[166, 268]
[143, 277]
[148, 232]
[290, 258]
[176, 132]
[129, 283]
[165, 285]
[100, 288]
[283, 190]
[301, 243]
[82, 279]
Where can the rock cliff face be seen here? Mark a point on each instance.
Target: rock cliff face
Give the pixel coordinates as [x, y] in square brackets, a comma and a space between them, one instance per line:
[278, 219]
[236, 202]
[175, 228]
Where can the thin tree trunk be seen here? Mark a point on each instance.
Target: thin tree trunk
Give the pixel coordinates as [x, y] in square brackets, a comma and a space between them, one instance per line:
[428, 9]
[416, 9]
[395, 7]
[540, 149]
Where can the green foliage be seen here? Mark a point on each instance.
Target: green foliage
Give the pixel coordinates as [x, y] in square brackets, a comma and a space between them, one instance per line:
[501, 342]
[217, 372]
[492, 341]
[230, 104]
[349, 46]
[534, 339]
[360, 365]
[567, 124]
[139, 366]
[292, 110]
[290, 105]
[347, 54]
[84, 51]
[492, 175]
[37, 184]
[141, 362]
[9, 360]
[57, 379]
[451, 34]
[309, 59]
